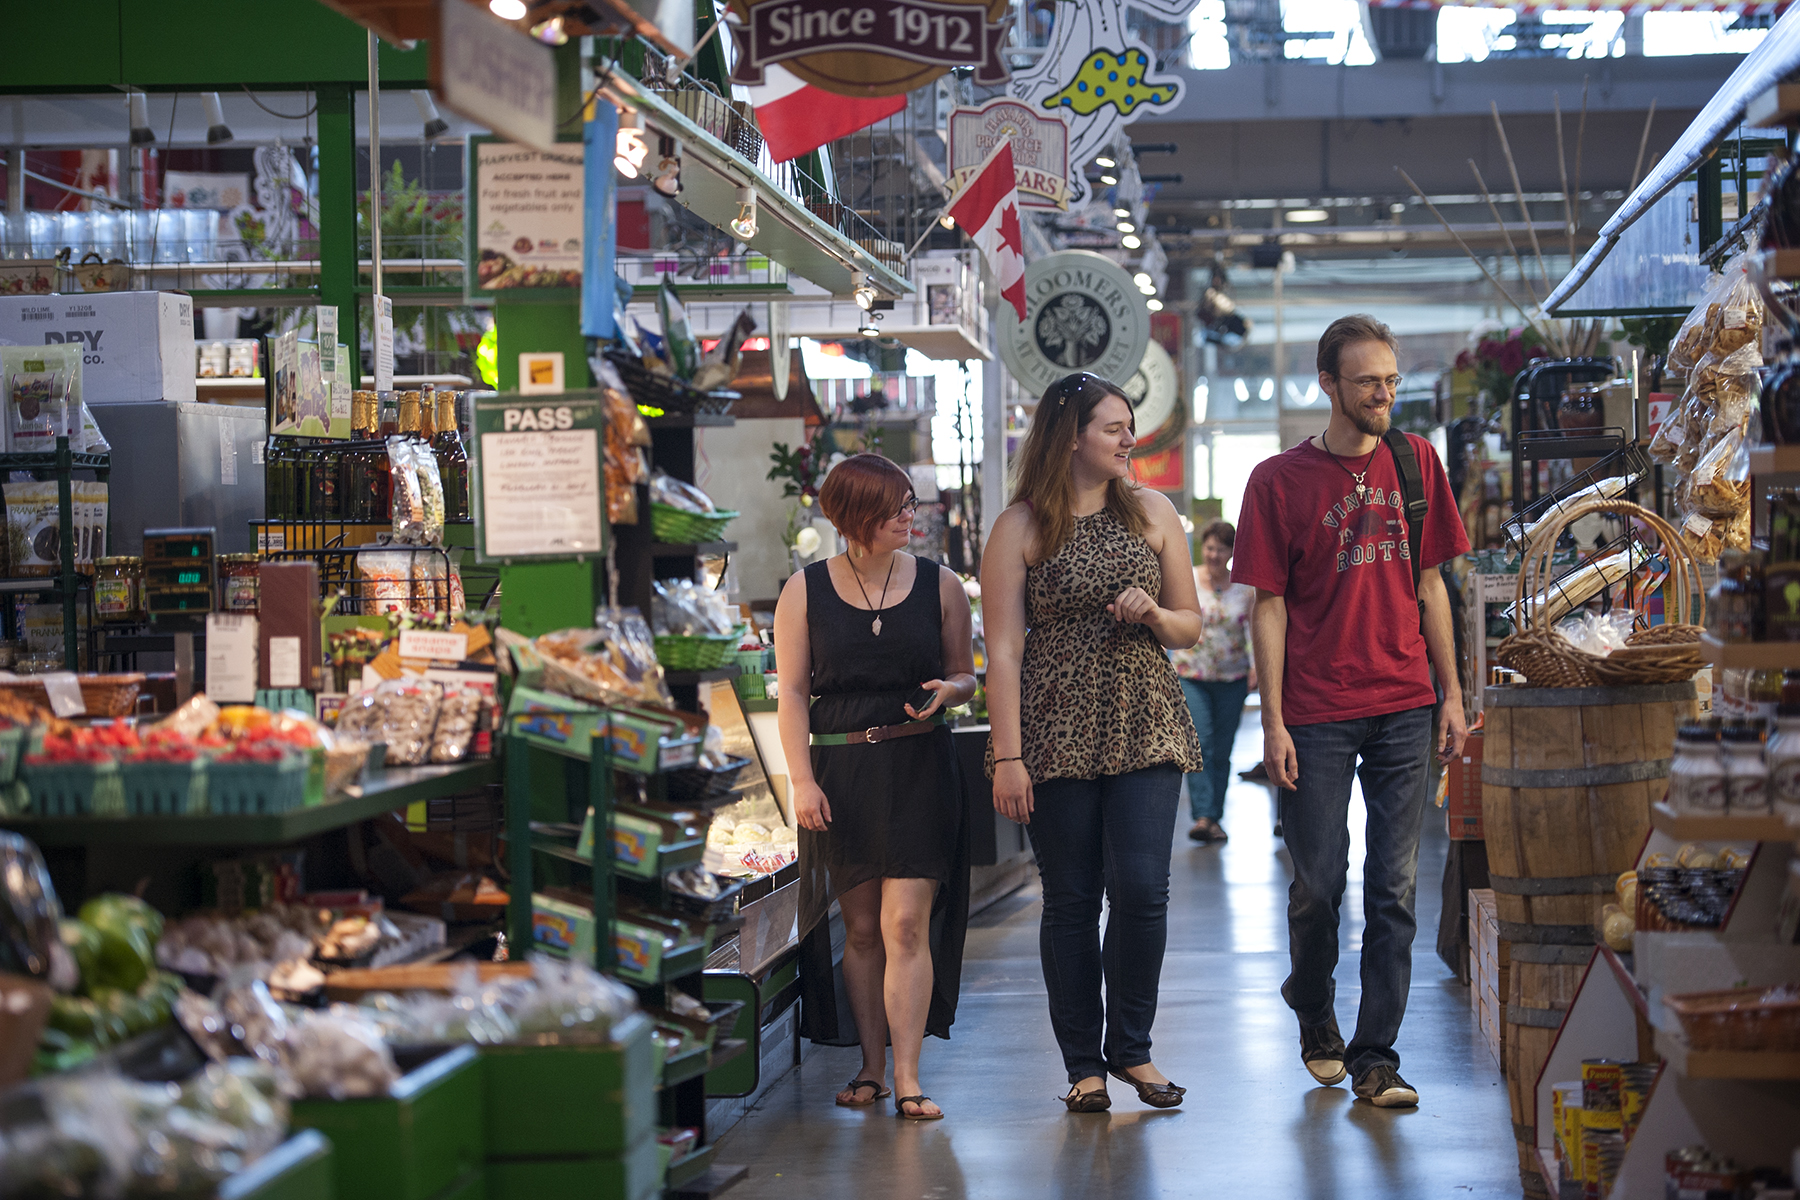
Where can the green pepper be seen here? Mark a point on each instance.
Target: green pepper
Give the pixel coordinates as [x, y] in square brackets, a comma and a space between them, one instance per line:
[118, 908]
[83, 942]
[76, 1016]
[127, 941]
[119, 1014]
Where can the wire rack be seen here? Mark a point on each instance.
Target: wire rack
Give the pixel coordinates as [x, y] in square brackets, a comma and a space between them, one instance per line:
[1628, 461]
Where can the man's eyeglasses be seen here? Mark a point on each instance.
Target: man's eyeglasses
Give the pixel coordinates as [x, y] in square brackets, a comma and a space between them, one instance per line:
[1366, 384]
[908, 509]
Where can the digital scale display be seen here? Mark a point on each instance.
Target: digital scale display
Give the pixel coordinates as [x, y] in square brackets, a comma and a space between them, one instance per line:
[178, 570]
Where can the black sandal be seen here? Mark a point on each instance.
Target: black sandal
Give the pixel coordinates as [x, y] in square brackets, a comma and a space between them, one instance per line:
[856, 1085]
[1092, 1101]
[900, 1109]
[1156, 1095]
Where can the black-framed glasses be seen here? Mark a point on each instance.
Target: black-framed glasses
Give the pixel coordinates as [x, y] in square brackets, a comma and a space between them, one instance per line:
[908, 509]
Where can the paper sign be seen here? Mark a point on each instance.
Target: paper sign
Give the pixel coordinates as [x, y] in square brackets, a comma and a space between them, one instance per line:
[541, 492]
[541, 373]
[434, 645]
[384, 344]
[493, 74]
[64, 692]
[231, 649]
[227, 455]
[284, 662]
[530, 216]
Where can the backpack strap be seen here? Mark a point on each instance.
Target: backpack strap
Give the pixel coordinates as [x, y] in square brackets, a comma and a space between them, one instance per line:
[1412, 492]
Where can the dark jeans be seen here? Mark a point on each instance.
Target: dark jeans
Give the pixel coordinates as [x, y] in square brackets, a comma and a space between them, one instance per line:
[1109, 835]
[1395, 751]
[1216, 706]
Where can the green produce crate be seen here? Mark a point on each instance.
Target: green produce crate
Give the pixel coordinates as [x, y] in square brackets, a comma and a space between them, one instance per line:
[542, 1101]
[12, 749]
[163, 788]
[416, 1142]
[298, 1169]
[236, 788]
[635, 1175]
[683, 528]
[75, 789]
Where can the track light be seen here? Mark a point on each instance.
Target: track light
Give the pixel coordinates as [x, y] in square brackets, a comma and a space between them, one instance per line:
[551, 32]
[744, 224]
[1131, 241]
[629, 148]
[435, 125]
[137, 106]
[1121, 212]
[1104, 161]
[869, 328]
[507, 10]
[947, 221]
[1153, 304]
[1147, 289]
[1141, 278]
[862, 290]
[668, 167]
[1126, 227]
[216, 129]
[1109, 180]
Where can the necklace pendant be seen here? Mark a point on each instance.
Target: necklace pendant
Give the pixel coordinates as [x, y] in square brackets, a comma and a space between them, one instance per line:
[1362, 492]
[875, 626]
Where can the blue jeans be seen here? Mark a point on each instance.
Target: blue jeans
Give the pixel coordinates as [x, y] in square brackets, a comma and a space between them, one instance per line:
[1111, 836]
[1216, 706]
[1395, 750]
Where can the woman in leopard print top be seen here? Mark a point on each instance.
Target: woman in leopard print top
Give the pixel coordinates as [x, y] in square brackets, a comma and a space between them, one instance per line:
[1085, 582]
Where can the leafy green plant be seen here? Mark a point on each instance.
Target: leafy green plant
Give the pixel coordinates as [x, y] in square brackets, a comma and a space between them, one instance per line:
[801, 470]
[1650, 334]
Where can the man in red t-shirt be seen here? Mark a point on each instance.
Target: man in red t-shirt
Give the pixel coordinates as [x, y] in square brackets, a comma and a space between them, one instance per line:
[1345, 651]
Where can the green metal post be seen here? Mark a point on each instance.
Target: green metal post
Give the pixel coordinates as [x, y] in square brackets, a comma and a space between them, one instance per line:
[600, 795]
[338, 273]
[518, 844]
[65, 513]
[1711, 201]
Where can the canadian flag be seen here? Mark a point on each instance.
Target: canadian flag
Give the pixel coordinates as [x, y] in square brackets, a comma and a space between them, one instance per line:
[987, 208]
[797, 118]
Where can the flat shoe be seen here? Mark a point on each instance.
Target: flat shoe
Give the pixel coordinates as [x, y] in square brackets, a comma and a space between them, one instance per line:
[1156, 1095]
[1199, 833]
[856, 1085]
[900, 1109]
[1086, 1102]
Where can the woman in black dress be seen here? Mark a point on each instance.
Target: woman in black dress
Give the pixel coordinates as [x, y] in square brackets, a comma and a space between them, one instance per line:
[872, 769]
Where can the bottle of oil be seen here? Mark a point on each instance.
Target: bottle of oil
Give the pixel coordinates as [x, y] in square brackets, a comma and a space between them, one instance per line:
[452, 458]
[364, 471]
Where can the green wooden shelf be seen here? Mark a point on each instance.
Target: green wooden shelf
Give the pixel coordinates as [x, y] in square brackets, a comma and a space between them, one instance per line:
[689, 1167]
[382, 792]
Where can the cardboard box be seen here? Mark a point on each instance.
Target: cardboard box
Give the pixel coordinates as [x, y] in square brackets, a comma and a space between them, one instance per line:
[1462, 805]
[137, 346]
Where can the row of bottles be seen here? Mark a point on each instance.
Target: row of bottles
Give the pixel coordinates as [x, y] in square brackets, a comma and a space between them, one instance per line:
[316, 480]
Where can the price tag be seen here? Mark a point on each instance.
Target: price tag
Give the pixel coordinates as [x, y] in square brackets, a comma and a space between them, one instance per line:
[231, 641]
[434, 645]
[64, 692]
[284, 662]
[1697, 525]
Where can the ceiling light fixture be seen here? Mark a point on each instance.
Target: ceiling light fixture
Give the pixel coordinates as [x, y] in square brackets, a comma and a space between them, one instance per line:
[1306, 216]
[947, 221]
[870, 327]
[435, 125]
[744, 224]
[1121, 212]
[507, 10]
[1153, 304]
[1141, 278]
[1104, 161]
[1147, 289]
[551, 32]
[1109, 180]
[668, 167]
[216, 129]
[1131, 241]
[137, 106]
[629, 149]
[862, 291]
[1126, 227]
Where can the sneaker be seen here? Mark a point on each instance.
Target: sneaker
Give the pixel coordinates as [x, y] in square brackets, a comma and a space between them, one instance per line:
[1322, 1050]
[1382, 1086]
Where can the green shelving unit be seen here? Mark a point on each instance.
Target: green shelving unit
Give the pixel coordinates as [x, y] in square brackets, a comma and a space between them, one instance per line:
[60, 463]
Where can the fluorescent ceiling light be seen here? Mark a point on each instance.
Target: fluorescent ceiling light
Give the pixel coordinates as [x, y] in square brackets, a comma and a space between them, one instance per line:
[1307, 216]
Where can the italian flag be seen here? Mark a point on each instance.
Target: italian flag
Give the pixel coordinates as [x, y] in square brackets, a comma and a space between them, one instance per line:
[797, 118]
[987, 208]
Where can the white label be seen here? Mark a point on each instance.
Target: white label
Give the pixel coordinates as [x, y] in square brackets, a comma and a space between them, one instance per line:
[540, 492]
[227, 455]
[439, 647]
[1697, 525]
[271, 539]
[1747, 794]
[1736, 318]
[384, 344]
[341, 386]
[541, 373]
[1677, 433]
[256, 454]
[284, 662]
[64, 692]
[231, 657]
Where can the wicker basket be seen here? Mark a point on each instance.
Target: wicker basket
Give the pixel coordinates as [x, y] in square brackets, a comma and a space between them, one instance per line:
[694, 652]
[104, 695]
[1663, 654]
[679, 527]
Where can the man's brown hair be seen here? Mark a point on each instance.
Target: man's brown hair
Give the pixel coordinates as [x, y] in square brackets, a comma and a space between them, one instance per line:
[1347, 331]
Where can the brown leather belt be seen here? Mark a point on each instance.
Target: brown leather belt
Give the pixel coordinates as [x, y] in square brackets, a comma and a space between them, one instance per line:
[877, 733]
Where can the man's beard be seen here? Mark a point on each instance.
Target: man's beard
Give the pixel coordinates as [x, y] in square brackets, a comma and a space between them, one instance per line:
[1372, 424]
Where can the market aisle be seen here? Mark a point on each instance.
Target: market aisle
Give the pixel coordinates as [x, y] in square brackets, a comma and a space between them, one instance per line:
[1252, 1125]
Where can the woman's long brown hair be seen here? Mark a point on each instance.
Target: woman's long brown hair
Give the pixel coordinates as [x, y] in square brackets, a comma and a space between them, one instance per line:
[1043, 477]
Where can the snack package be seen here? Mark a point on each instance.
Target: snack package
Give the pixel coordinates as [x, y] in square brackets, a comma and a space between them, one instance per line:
[679, 606]
[615, 662]
[42, 397]
[33, 527]
[678, 337]
[1729, 317]
[90, 501]
[400, 712]
[408, 512]
[676, 493]
[385, 577]
[431, 497]
[1720, 483]
[627, 436]
[455, 729]
[719, 366]
[94, 442]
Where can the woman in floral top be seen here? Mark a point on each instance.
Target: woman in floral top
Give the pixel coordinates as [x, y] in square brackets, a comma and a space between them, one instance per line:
[1217, 675]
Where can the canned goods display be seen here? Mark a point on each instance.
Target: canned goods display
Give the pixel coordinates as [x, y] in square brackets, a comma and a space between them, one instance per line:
[119, 588]
[1601, 1081]
[1637, 1081]
[238, 572]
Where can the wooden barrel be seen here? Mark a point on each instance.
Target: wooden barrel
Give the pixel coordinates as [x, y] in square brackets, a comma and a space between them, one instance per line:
[1568, 776]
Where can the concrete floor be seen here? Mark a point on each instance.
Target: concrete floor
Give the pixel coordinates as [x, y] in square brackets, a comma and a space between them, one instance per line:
[1253, 1124]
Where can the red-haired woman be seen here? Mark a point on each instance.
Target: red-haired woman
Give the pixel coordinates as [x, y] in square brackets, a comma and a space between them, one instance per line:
[1086, 580]
[872, 769]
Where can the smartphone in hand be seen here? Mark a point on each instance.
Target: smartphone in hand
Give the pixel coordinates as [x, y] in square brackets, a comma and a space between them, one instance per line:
[921, 697]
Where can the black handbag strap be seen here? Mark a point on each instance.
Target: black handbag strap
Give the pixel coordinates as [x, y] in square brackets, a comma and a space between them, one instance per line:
[1412, 492]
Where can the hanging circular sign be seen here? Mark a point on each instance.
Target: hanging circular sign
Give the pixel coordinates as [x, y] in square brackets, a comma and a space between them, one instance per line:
[1152, 393]
[1082, 313]
[781, 350]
